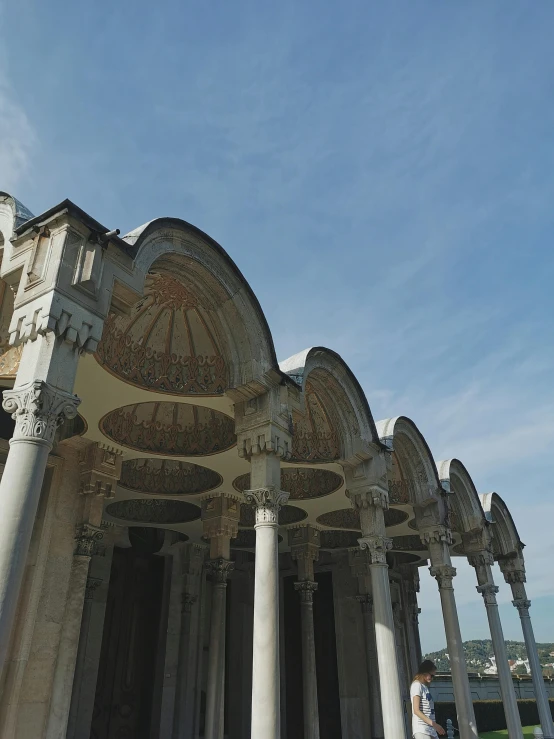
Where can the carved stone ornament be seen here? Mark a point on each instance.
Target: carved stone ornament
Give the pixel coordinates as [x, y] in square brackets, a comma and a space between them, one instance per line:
[366, 601]
[523, 605]
[187, 602]
[92, 584]
[38, 410]
[267, 502]
[168, 477]
[219, 570]
[436, 534]
[339, 539]
[86, 540]
[488, 592]
[377, 548]
[288, 515]
[481, 559]
[306, 588]
[444, 575]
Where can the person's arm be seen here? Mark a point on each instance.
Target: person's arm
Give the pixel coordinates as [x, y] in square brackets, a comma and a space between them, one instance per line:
[416, 703]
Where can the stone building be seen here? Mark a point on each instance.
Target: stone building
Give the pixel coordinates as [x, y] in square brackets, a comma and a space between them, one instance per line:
[198, 541]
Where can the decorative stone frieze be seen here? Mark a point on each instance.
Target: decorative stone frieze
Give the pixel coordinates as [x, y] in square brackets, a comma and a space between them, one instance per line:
[38, 410]
[300, 483]
[436, 534]
[444, 575]
[306, 588]
[488, 591]
[264, 424]
[267, 502]
[86, 539]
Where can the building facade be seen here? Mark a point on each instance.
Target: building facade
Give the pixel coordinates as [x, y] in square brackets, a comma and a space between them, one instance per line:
[197, 540]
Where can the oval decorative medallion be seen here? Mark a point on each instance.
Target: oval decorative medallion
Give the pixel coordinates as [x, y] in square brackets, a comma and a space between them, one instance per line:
[166, 344]
[154, 511]
[409, 543]
[348, 518]
[287, 515]
[339, 539]
[300, 482]
[168, 477]
[169, 428]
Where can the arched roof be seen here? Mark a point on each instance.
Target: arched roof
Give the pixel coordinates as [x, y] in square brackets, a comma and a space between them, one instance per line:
[465, 502]
[333, 394]
[401, 435]
[174, 247]
[506, 539]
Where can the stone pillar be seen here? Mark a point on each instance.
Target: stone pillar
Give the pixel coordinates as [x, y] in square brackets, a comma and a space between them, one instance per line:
[220, 516]
[38, 409]
[192, 560]
[62, 274]
[438, 539]
[513, 570]
[304, 544]
[263, 437]
[86, 540]
[367, 490]
[360, 569]
[410, 588]
[482, 562]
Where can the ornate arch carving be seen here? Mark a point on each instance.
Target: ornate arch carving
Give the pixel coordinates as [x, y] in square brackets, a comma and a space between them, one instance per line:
[467, 512]
[505, 537]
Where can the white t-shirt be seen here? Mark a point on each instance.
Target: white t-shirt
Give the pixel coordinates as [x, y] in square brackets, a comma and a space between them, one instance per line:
[426, 706]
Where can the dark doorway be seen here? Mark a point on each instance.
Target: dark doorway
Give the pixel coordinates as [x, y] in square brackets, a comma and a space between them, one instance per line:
[127, 672]
[326, 660]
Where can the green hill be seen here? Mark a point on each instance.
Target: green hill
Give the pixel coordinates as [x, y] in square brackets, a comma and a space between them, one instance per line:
[478, 654]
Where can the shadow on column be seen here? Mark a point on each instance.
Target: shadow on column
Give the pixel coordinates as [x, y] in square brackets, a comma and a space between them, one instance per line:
[326, 659]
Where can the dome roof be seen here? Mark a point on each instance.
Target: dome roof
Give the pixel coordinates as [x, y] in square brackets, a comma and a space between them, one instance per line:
[166, 344]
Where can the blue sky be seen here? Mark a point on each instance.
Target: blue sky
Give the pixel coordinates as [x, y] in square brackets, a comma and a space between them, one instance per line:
[381, 173]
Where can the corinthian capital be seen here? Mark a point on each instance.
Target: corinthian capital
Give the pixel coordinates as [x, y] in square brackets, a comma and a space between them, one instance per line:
[306, 588]
[219, 570]
[444, 575]
[38, 409]
[523, 605]
[86, 540]
[377, 548]
[267, 502]
[488, 591]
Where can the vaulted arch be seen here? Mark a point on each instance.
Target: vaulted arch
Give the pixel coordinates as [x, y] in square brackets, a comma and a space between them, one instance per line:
[415, 478]
[467, 512]
[506, 541]
[335, 422]
[198, 329]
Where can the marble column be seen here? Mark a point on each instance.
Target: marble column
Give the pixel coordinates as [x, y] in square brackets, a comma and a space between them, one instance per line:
[438, 539]
[192, 560]
[369, 497]
[513, 570]
[410, 588]
[304, 544]
[482, 562]
[220, 518]
[267, 500]
[38, 409]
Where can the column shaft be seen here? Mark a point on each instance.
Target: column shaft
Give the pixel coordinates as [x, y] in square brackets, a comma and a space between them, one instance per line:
[509, 700]
[462, 693]
[372, 668]
[391, 698]
[215, 695]
[545, 716]
[309, 674]
[265, 658]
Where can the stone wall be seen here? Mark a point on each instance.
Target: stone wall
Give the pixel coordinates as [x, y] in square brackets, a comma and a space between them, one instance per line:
[487, 687]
